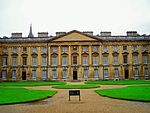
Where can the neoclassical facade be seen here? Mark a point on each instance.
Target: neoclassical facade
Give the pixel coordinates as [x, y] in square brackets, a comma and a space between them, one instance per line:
[74, 55]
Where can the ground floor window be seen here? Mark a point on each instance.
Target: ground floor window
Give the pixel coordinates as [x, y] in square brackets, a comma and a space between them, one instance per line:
[33, 74]
[14, 74]
[85, 74]
[44, 74]
[96, 73]
[136, 72]
[116, 73]
[64, 74]
[4, 74]
[53, 74]
[145, 71]
[105, 73]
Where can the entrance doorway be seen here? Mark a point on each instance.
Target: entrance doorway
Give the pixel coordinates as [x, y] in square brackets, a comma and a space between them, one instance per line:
[75, 75]
[23, 75]
[126, 74]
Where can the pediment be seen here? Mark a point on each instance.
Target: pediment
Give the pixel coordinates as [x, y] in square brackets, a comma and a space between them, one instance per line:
[75, 36]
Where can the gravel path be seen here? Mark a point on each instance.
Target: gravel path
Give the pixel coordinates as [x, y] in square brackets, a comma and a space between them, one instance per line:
[90, 103]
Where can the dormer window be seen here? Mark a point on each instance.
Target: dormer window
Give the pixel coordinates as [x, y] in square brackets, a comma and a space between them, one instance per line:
[34, 49]
[85, 48]
[14, 49]
[105, 48]
[95, 48]
[64, 49]
[44, 49]
[54, 49]
[24, 49]
[74, 48]
[124, 48]
[115, 48]
[5, 49]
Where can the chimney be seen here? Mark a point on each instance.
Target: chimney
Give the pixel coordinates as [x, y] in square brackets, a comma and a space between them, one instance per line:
[88, 32]
[60, 33]
[106, 33]
[16, 35]
[42, 34]
[132, 33]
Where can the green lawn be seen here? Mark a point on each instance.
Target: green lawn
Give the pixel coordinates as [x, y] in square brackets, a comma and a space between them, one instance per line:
[75, 86]
[119, 82]
[35, 83]
[139, 93]
[17, 95]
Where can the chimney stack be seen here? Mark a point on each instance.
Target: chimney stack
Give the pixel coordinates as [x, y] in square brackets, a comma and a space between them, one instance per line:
[16, 35]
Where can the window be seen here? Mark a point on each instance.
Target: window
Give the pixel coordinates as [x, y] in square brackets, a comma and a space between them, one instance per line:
[146, 71]
[5, 61]
[24, 61]
[136, 73]
[105, 60]
[33, 61]
[125, 59]
[115, 60]
[105, 73]
[64, 74]
[85, 60]
[95, 48]
[4, 74]
[74, 48]
[95, 60]
[53, 74]
[44, 74]
[64, 49]
[105, 48]
[64, 60]
[54, 61]
[116, 73]
[54, 49]
[14, 49]
[134, 48]
[34, 49]
[44, 61]
[85, 48]
[145, 48]
[44, 49]
[74, 59]
[14, 61]
[85, 74]
[145, 58]
[124, 48]
[14, 74]
[24, 49]
[33, 74]
[115, 48]
[5, 49]
[96, 73]
[135, 59]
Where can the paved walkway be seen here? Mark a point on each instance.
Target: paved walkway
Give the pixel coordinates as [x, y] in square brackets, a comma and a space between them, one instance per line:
[90, 103]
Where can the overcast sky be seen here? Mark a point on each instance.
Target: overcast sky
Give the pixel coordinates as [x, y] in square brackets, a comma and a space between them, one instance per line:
[117, 16]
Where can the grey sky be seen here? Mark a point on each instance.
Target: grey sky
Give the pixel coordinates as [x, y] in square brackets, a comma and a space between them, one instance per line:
[117, 16]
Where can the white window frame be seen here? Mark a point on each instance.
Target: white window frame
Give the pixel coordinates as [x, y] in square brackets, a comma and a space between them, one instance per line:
[44, 61]
[54, 49]
[5, 62]
[64, 49]
[54, 61]
[145, 59]
[85, 73]
[115, 48]
[33, 74]
[135, 59]
[34, 62]
[44, 49]
[85, 48]
[105, 60]
[14, 74]
[64, 74]
[14, 49]
[4, 74]
[14, 61]
[64, 60]
[146, 72]
[34, 49]
[44, 74]
[54, 74]
[116, 73]
[116, 60]
[95, 48]
[85, 60]
[95, 60]
[106, 74]
[96, 74]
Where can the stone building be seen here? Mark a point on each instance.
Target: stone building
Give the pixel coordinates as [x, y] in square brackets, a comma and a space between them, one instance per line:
[74, 55]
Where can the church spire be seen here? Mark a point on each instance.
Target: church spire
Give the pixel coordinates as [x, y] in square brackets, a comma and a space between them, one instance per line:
[30, 32]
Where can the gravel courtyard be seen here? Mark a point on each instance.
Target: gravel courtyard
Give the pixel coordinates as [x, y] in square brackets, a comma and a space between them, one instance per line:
[90, 102]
